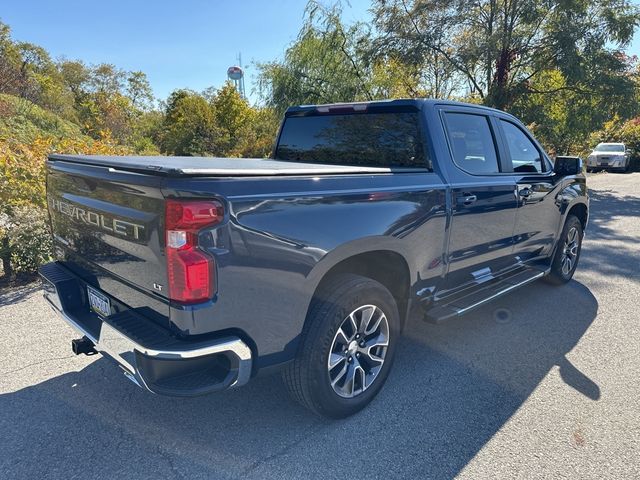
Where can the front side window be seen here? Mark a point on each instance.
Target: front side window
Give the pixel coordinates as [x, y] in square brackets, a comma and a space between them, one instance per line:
[389, 139]
[526, 158]
[472, 143]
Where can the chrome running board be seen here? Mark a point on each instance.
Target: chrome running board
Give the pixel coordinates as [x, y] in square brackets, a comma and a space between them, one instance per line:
[484, 293]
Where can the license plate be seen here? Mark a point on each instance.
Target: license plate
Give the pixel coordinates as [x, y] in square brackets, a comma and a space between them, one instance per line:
[604, 164]
[98, 302]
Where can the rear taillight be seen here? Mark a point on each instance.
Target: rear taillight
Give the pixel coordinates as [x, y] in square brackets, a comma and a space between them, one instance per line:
[190, 271]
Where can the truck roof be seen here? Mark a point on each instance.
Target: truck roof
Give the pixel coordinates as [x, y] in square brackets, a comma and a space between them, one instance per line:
[397, 104]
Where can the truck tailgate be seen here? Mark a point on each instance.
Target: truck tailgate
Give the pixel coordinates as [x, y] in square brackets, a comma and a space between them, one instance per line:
[107, 227]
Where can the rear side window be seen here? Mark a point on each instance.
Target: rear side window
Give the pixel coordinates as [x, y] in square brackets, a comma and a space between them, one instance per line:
[472, 143]
[363, 139]
[524, 155]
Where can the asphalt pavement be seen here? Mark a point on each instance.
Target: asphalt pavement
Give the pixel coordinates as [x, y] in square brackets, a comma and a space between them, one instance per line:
[541, 384]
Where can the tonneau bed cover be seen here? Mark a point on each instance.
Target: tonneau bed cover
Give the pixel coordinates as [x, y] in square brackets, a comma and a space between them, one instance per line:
[223, 167]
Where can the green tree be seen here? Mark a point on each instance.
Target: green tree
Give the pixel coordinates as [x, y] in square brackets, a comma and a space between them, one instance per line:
[139, 91]
[498, 48]
[325, 64]
[401, 40]
[76, 77]
[107, 79]
[189, 126]
[259, 135]
[563, 117]
[9, 61]
[147, 129]
[233, 116]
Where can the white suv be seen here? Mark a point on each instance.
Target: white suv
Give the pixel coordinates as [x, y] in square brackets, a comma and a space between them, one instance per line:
[609, 156]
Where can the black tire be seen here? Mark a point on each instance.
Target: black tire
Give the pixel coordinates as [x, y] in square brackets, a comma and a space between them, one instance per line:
[559, 275]
[308, 376]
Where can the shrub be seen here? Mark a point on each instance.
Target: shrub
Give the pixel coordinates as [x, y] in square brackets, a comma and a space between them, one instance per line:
[29, 238]
[25, 241]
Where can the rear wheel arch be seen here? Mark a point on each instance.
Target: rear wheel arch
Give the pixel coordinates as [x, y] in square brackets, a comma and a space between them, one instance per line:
[387, 267]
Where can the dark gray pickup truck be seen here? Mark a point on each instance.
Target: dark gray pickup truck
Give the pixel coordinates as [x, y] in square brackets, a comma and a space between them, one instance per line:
[196, 274]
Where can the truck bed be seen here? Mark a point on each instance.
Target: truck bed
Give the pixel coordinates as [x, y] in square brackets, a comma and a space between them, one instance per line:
[219, 167]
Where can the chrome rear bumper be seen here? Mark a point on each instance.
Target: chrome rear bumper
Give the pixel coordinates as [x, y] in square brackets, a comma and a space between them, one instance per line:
[163, 365]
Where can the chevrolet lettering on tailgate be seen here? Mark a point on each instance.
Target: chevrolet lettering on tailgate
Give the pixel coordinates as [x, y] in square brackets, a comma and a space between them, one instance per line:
[110, 224]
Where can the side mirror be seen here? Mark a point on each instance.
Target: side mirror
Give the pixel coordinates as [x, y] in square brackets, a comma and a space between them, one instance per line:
[567, 166]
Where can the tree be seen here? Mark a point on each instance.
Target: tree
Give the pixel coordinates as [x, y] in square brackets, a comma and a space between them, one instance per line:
[25, 239]
[216, 122]
[325, 64]
[76, 77]
[390, 78]
[233, 116]
[564, 119]
[34, 62]
[189, 126]
[139, 91]
[147, 129]
[9, 61]
[258, 136]
[399, 43]
[498, 47]
[106, 79]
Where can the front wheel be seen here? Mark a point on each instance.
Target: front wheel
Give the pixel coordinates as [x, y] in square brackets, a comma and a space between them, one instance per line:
[565, 260]
[347, 349]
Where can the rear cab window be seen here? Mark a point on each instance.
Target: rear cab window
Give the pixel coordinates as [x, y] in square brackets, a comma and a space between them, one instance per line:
[382, 139]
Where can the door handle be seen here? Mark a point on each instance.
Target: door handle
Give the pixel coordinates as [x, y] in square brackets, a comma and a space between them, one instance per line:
[466, 199]
[525, 192]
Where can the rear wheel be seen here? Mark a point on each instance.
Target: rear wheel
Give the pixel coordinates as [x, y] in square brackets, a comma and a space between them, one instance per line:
[347, 348]
[567, 254]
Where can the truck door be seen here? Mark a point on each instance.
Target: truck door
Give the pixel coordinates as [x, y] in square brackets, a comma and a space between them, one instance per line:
[483, 199]
[538, 215]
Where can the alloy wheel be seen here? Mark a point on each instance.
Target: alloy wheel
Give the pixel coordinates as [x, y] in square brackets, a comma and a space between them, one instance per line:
[570, 251]
[358, 351]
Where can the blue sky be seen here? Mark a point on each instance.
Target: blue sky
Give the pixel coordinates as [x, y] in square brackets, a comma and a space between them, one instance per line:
[186, 43]
[178, 44]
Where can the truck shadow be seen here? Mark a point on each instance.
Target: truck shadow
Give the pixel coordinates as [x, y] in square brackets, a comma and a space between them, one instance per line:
[452, 388]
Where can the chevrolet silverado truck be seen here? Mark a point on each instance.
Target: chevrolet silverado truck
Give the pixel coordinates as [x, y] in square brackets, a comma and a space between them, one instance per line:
[197, 274]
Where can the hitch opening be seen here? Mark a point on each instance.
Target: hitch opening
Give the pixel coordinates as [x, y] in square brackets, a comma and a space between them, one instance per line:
[83, 345]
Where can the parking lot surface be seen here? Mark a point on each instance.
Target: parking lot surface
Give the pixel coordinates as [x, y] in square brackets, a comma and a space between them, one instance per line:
[543, 383]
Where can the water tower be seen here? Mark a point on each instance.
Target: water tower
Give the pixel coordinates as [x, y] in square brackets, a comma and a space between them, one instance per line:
[236, 75]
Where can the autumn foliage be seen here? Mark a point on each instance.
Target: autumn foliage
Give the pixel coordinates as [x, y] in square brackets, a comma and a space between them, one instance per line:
[70, 107]
[24, 233]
